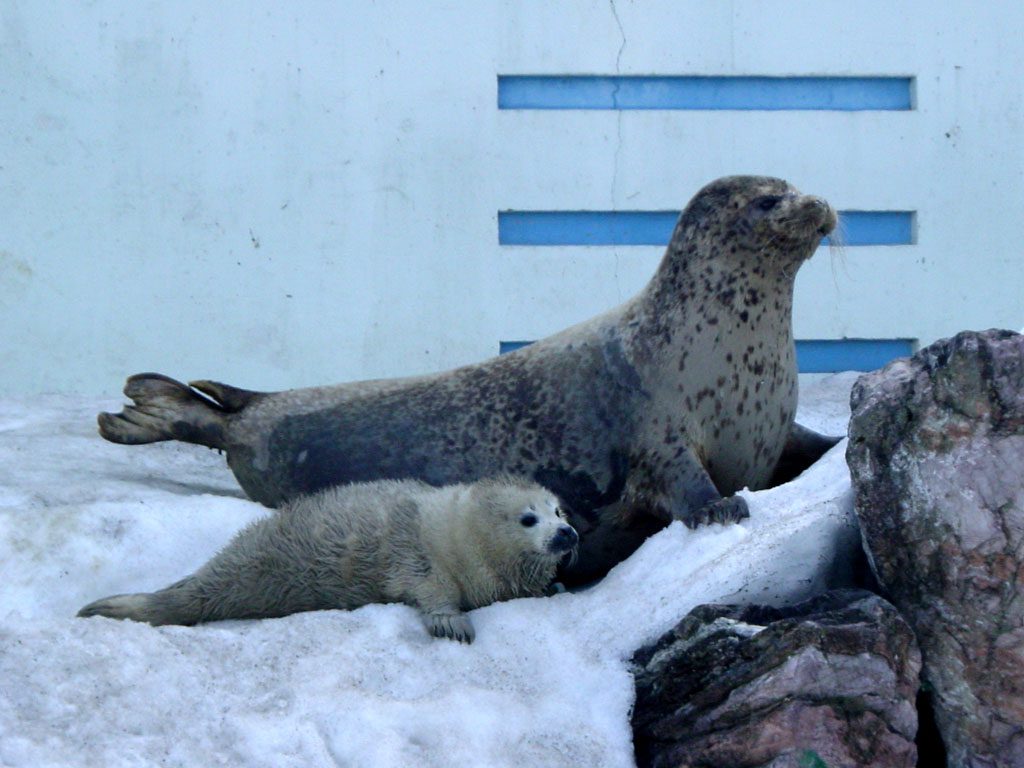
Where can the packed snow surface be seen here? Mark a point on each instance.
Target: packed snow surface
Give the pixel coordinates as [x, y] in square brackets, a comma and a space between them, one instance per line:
[547, 682]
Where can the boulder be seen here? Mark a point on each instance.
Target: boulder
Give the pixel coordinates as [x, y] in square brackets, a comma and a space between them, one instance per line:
[936, 455]
[830, 681]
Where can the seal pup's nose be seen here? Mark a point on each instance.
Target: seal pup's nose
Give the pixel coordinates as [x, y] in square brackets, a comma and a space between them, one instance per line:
[564, 539]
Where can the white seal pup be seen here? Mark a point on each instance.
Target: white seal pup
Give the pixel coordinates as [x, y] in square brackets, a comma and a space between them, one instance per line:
[442, 550]
[659, 409]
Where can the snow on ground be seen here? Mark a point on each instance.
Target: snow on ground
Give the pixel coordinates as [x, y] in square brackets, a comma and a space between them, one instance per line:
[546, 683]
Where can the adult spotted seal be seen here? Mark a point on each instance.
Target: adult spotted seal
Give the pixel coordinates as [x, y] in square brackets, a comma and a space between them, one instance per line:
[443, 550]
[653, 411]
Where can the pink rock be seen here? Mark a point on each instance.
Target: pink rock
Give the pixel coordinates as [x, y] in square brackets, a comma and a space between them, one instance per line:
[936, 455]
[828, 682]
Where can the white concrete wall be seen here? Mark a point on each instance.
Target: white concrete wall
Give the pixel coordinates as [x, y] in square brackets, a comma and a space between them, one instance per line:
[283, 195]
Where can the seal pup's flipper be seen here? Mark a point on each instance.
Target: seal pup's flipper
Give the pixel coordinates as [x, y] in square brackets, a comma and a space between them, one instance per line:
[165, 409]
[730, 509]
[454, 626]
[174, 605]
[117, 607]
[803, 448]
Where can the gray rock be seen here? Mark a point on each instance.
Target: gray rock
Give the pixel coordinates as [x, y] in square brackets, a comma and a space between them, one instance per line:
[830, 681]
[936, 455]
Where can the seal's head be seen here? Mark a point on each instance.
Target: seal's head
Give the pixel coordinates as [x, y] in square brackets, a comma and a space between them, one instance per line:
[753, 214]
[526, 515]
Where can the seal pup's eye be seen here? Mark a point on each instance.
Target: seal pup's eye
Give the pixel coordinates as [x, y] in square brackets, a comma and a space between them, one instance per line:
[767, 203]
[528, 520]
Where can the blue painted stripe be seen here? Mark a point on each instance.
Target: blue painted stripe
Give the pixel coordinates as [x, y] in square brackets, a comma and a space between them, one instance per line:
[821, 355]
[830, 355]
[585, 227]
[655, 227]
[704, 93]
[511, 346]
[874, 228]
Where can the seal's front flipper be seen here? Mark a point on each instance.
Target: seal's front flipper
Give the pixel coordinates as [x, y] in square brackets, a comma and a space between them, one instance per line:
[680, 488]
[164, 409]
[803, 448]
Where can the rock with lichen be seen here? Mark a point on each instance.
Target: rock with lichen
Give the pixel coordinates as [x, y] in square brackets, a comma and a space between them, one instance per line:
[831, 681]
[936, 455]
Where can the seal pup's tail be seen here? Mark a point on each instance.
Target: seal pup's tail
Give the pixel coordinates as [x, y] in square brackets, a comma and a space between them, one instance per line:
[165, 409]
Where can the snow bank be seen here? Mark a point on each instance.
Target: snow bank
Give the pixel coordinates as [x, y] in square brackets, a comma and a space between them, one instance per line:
[545, 683]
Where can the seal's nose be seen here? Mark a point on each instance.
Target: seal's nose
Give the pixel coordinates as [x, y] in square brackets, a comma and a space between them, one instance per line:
[564, 539]
[826, 215]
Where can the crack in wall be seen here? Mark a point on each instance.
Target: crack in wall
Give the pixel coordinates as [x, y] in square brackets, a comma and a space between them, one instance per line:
[618, 133]
[615, 101]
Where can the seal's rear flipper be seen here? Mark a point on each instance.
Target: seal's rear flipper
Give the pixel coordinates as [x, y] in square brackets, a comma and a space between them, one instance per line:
[231, 399]
[164, 409]
[803, 448]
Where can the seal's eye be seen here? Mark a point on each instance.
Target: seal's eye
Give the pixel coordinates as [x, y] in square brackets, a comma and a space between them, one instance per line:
[528, 520]
[767, 203]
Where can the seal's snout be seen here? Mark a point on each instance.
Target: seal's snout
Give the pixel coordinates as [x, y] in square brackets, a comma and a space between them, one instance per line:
[564, 539]
[823, 213]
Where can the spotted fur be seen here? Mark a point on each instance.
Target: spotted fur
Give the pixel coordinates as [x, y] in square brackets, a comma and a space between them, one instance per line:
[653, 411]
